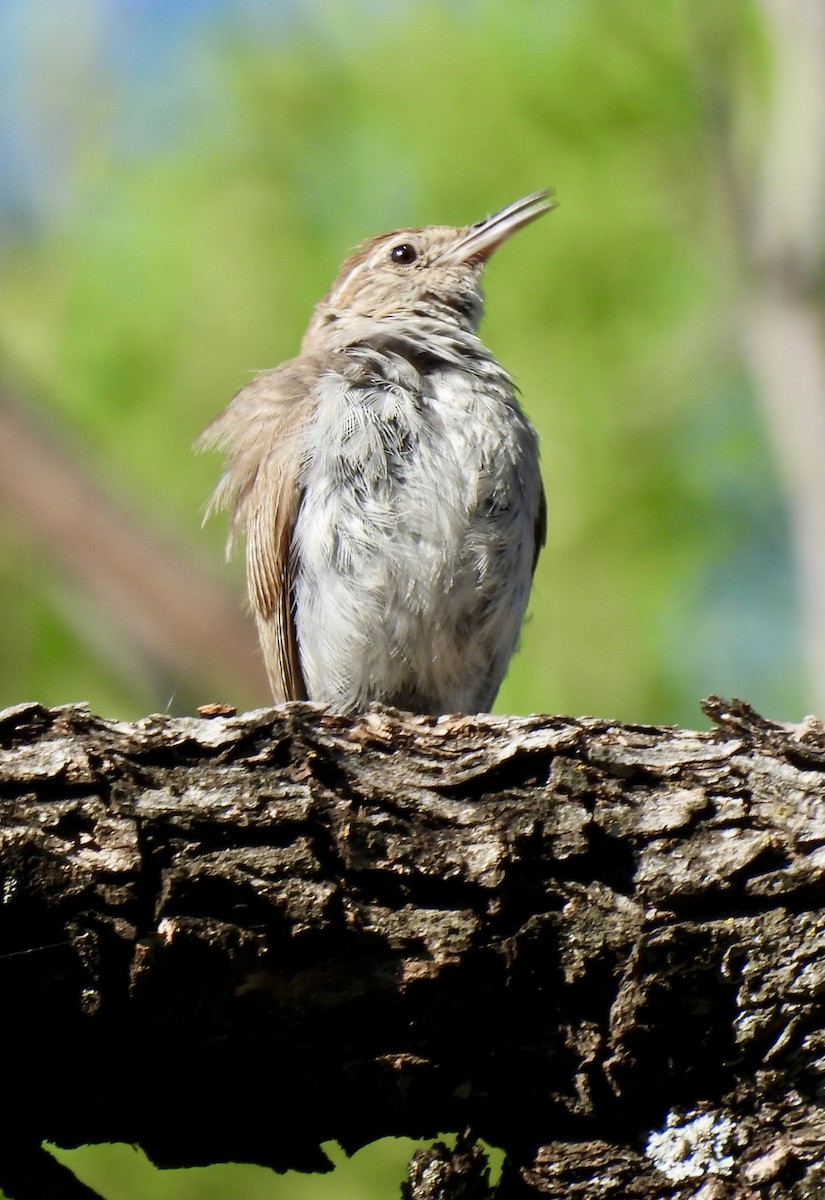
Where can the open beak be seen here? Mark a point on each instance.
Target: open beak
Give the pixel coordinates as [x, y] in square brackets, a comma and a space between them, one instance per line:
[481, 239]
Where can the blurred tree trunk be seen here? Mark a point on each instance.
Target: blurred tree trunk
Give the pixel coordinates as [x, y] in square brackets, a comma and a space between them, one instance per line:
[781, 218]
[597, 946]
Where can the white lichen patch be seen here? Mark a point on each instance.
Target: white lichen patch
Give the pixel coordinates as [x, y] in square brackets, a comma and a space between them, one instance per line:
[693, 1144]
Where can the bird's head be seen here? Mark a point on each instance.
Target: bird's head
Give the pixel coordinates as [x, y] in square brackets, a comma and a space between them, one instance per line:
[431, 273]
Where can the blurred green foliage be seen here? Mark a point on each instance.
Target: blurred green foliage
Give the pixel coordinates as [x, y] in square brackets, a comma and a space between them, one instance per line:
[179, 269]
[374, 1173]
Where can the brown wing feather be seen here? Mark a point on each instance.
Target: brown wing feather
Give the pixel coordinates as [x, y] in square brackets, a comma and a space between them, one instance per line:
[269, 580]
[260, 430]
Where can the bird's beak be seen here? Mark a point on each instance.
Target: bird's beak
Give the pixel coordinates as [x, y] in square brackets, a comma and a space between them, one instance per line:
[478, 242]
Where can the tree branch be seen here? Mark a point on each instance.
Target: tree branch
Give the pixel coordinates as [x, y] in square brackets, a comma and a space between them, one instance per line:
[599, 946]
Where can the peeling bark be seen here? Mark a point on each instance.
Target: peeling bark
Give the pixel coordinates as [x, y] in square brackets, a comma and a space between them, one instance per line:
[598, 946]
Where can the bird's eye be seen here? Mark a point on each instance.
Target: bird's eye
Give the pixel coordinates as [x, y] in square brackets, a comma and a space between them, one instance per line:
[404, 254]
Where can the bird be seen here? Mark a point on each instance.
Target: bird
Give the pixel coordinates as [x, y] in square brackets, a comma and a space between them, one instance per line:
[388, 484]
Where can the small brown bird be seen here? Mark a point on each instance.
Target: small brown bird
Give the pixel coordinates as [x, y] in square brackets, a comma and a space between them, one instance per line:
[388, 483]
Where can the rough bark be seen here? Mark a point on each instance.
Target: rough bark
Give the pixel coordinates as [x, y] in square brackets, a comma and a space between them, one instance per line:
[599, 946]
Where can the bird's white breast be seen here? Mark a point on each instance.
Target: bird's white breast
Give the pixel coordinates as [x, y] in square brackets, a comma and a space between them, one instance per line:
[414, 542]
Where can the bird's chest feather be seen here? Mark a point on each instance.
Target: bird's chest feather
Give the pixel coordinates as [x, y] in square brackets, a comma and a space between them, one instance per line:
[399, 471]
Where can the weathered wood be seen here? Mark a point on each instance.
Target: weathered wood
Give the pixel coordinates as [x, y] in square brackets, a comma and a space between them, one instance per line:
[600, 946]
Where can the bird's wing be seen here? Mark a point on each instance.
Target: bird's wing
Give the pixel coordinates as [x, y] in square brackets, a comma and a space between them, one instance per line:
[540, 534]
[261, 432]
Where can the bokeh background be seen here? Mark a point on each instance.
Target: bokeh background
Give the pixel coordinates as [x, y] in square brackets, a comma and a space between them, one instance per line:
[180, 182]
